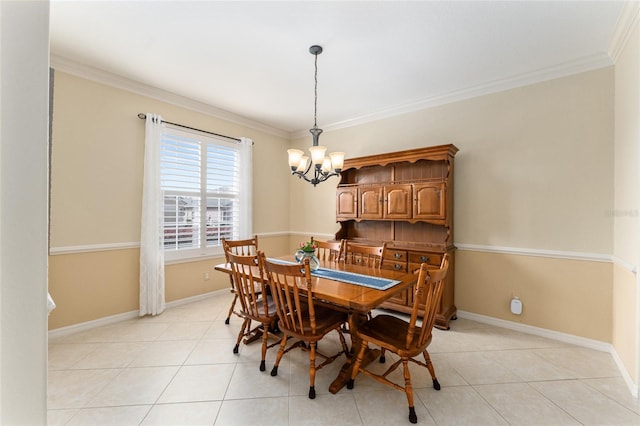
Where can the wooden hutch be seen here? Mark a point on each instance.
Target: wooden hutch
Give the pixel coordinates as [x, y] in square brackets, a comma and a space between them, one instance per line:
[403, 198]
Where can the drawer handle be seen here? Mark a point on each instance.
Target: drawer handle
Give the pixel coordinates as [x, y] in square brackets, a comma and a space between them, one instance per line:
[397, 267]
[424, 258]
[397, 255]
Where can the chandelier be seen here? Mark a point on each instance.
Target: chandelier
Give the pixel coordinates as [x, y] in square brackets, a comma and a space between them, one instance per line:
[323, 167]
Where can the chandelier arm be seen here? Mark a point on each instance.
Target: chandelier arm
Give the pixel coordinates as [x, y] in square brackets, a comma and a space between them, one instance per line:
[301, 174]
[318, 176]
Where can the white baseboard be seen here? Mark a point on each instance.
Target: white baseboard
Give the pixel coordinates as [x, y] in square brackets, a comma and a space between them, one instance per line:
[537, 331]
[562, 337]
[88, 325]
[633, 387]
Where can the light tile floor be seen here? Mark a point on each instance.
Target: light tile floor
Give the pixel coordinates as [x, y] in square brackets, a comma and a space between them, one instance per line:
[179, 369]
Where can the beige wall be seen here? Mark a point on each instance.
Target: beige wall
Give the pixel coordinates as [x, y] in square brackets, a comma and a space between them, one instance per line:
[568, 296]
[91, 285]
[96, 190]
[534, 174]
[626, 211]
[534, 170]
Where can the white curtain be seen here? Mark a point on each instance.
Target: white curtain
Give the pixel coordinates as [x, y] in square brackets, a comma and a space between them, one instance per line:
[246, 181]
[152, 300]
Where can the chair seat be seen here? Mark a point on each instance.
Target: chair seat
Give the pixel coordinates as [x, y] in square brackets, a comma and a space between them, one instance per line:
[390, 332]
[271, 308]
[326, 320]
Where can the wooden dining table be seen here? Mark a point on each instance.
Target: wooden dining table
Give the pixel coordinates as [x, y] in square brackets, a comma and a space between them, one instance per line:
[358, 300]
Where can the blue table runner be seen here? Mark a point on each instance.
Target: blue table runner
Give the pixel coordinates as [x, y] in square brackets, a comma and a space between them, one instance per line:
[349, 277]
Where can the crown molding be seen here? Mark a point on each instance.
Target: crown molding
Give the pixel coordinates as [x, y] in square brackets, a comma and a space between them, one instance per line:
[100, 76]
[627, 22]
[565, 69]
[568, 68]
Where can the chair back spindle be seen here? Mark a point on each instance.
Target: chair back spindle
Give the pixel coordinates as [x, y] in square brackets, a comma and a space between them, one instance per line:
[247, 247]
[328, 251]
[371, 256]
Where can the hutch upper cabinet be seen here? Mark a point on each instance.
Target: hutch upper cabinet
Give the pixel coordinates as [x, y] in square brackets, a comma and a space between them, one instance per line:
[403, 198]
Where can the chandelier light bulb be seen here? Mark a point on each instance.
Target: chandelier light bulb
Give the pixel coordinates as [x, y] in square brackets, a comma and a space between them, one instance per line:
[337, 160]
[294, 157]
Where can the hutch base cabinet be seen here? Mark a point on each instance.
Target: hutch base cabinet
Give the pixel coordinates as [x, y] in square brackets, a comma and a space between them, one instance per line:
[405, 199]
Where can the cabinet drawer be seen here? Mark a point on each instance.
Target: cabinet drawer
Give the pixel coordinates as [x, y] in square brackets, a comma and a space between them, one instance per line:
[395, 260]
[394, 266]
[395, 255]
[425, 257]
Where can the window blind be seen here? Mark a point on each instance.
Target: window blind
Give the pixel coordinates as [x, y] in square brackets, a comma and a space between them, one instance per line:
[200, 181]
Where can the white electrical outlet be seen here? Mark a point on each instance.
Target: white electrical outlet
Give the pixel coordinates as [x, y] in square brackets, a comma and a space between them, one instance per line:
[516, 306]
[206, 276]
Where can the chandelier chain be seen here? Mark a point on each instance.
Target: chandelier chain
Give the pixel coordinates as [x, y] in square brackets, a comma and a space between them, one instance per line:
[315, 94]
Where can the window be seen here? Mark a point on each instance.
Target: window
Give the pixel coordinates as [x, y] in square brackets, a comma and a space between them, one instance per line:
[201, 182]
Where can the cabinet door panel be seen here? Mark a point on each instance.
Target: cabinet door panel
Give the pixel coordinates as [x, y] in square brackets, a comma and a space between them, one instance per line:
[370, 202]
[347, 203]
[397, 200]
[429, 201]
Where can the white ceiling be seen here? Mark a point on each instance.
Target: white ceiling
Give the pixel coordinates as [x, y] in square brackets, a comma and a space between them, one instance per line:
[380, 57]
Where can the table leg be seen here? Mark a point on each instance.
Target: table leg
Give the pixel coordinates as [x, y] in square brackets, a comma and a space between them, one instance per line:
[355, 319]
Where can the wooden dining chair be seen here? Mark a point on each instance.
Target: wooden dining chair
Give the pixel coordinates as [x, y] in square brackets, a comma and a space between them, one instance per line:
[300, 317]
[245, 247]
[329, 251]
[371, 256]
[406, 339]
[255, 304]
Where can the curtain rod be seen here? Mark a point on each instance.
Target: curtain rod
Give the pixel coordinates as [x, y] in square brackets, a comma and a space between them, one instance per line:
[143, 116]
